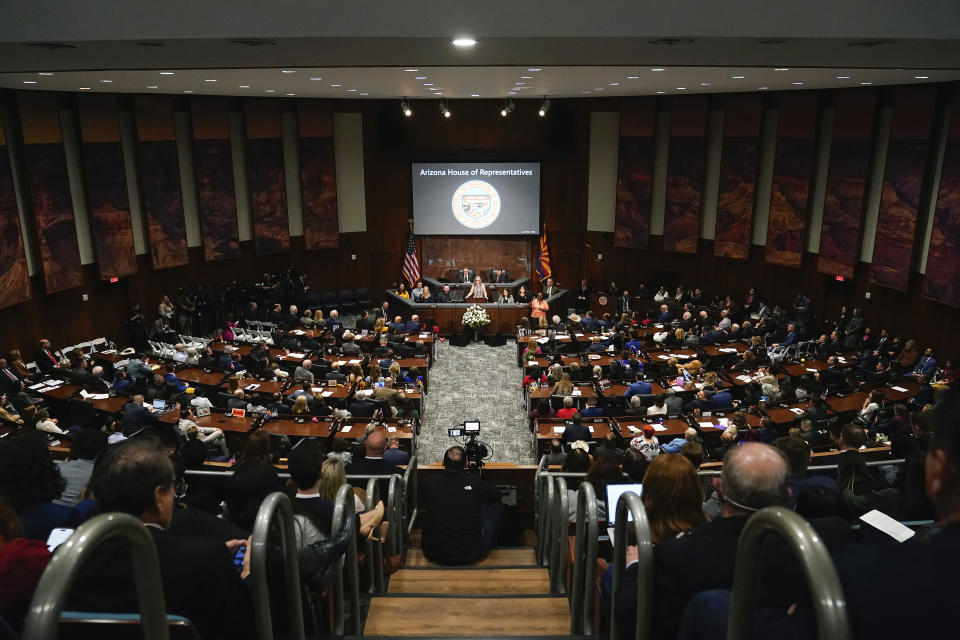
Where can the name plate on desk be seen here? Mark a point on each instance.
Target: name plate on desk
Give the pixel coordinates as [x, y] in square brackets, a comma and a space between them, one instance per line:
[238, 413]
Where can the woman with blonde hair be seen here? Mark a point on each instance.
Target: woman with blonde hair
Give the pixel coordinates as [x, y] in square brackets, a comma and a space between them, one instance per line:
[333, 475]
[564, 386]
[379, 326]
[672, 496]
[394, 371]
[300, 406]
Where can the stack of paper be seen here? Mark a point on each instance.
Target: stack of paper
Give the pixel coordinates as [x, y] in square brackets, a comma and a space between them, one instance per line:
[559, 429]
[659, 427]
[327, 394]
[900, 389]
[744, 378]
[708, 425]
[296, 355]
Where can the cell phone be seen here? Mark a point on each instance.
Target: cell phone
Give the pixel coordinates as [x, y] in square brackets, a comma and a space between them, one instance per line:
[238, 557]
[58, 537]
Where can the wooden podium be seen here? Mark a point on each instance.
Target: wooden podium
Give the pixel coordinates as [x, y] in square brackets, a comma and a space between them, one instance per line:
[476, 300]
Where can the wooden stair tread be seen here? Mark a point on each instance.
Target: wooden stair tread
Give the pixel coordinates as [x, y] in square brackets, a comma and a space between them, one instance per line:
[463, 617]
[497, 558]
[478, 581]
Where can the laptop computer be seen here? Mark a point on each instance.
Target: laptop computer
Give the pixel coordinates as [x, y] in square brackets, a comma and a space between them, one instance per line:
[159, 404]
[614, 491]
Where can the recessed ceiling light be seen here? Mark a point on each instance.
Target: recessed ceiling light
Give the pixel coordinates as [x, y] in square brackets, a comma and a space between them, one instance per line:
[781, 69]
[866, 83]
[188, 91]
[762, 88]
[420, 78]
[921, 77]
[426, 84]
[166, 73]
[796, 83]
[614, 84]
[658, 69]
[364, 93]
[288, 71]
[351, 90]
[661, 91]
[534, 69]
[210, 80]
[411, 69]
[522, 88]
[268, 91]
[518, 82]
[474, 95]
[106, 81]
[598, 88]
[336, 85]
[585, 91]
[244, 86]
[464, 42]
[290, 94]
[151, 86]
[438, 93]
[681, 88]
[513, 93]
[316, 78]
[738, 77]
[44, 73]
[84, 88]
[526, 77]
[843, 77]
[704, 84]
[633, 77]
[29, 82]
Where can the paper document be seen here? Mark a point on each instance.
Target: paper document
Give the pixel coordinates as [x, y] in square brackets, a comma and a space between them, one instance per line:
[576, 392]
[744, 378]
[356, 361]
[299, 332]
[663, 357]
[391, 429]
[543, 340]
[590, 426]
[682, 356]
[424, 335]
[659, 427]
[810, 370]
[559, 429]
[578, 335]
[316, 389]
[727, 350]
[888, 525]
[38, 385]
[296, 355]
[797, 411]
[900, 389]
[708, 425]
[327, 394]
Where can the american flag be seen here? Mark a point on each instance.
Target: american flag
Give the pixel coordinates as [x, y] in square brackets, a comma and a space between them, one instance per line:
[411, 264]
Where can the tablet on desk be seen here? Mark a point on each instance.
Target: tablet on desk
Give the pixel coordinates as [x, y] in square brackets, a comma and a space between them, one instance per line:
[159, 404]
[614, 491]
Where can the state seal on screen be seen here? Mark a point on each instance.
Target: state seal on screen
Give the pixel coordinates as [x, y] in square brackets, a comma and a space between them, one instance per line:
[475, 204]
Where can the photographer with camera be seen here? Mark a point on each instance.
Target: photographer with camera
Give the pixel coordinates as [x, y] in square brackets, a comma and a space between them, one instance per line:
[463, 513]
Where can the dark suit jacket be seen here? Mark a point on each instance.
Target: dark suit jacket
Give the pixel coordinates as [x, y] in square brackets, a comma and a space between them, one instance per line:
[199, 583]
[704, 558]
[364, 323]
[46, 360]
[575, 432]
[135, 417]
[452, 525]
[464, 278]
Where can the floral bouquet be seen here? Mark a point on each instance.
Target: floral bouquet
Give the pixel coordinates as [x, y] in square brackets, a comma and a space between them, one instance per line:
[476, 317]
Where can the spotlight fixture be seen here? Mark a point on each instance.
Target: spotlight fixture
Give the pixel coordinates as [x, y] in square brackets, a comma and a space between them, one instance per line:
[544, 107]
[464, 42]
[405, 108]
[444, 109]
[508, 107]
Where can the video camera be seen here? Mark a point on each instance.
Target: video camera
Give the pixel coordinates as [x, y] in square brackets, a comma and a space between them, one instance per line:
[475, 451]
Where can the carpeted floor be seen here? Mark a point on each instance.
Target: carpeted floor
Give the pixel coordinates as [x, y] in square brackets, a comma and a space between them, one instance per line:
[476, 382]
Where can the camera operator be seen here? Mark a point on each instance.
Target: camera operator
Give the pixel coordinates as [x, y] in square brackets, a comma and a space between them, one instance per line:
[463, 513]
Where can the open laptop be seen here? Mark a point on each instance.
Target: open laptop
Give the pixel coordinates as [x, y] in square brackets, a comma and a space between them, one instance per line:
[159, 404]
[614, 491]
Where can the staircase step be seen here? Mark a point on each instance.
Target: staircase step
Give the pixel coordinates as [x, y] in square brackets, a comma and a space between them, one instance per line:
[465, 617]
[478, 581]
[517, 556]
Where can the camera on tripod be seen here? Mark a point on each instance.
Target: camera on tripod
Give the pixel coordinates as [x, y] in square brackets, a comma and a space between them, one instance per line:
[475, 451]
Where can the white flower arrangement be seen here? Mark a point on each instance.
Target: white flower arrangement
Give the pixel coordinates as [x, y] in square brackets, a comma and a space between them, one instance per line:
[476, 317]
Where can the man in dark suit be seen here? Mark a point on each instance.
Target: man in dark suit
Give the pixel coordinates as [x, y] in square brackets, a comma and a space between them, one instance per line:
[199, 579]
[333, 321]
[583, 296]
[413, 324]
[10, 380]
[364, 321]
[362, 408]
[665, 316]
[549, 288]
[500, 276]
[623, 303]
[237, 401]
[349, 346]
[382, 312]
[463, 513]
[373, 464]
[576, 431]
[589, 322]
[393, 454]
[444, 295]
[832, 377]
[754, 477]
[638, 388]
[464, 276]
[47, 360]
[136, 416]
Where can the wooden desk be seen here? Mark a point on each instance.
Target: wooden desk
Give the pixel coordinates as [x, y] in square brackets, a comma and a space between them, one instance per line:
[112, 405]
[672, 427]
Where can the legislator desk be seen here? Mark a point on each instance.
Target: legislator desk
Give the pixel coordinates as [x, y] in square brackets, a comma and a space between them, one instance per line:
[60, 397]
[547, 429]
[631, 427]
[448, 316]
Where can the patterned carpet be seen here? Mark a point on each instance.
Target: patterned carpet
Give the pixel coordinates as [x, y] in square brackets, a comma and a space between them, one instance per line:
[476, 382]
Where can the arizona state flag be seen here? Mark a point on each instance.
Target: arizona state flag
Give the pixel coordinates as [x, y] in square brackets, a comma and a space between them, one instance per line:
[543, 260]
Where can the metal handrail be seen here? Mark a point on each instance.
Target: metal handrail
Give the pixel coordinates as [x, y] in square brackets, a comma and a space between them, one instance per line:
[393, 510]
[539, 482]
[411, 496]
[818, 467]
[630, 503]
[43, 617]
[584, 562]
[545, 532]
[829, 604]
[560, 531]
[342, 510]
[274, 504]
[374, 548]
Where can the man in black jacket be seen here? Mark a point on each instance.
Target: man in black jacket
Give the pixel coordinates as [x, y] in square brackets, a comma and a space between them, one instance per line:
[199, 579]
[463, 513]
[136, 416]
[754, 477]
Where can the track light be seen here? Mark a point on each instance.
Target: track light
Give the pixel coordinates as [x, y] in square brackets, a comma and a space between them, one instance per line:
[405, 108]
[544, 107]
[508, 107]
[444, 109]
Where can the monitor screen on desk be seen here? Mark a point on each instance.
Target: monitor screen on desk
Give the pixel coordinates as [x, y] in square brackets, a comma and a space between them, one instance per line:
[501, 198]
[614, 491]
[471, 426]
